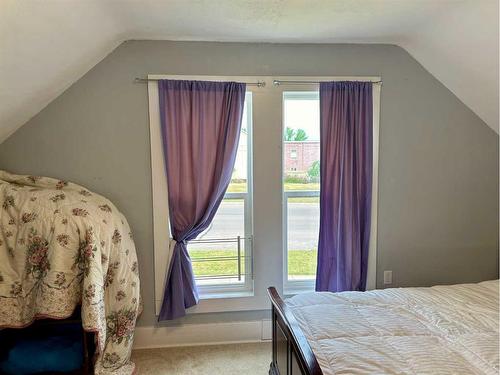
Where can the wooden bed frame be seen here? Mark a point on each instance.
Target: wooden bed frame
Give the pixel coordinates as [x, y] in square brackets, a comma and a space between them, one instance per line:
[292, 354]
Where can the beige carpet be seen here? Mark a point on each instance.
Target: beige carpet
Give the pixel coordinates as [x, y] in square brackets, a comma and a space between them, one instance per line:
[241, 359]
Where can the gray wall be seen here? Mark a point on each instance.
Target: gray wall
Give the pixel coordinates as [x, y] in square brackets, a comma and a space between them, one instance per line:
[438, 174]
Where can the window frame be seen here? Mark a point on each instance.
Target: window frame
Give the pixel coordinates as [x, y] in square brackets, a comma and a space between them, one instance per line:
[291, 287]
[211, 299]
[226, 290]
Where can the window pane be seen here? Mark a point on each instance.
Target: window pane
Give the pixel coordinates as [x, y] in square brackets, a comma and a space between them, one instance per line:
[216, 262]
[218, 257]
[303, 229]
[239, 177]
[301, 181]
[301, 141]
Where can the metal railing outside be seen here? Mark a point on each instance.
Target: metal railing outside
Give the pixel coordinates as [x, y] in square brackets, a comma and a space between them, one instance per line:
[238, 258]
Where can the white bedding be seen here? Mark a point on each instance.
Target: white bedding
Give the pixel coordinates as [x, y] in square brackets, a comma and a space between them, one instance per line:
[438, 330]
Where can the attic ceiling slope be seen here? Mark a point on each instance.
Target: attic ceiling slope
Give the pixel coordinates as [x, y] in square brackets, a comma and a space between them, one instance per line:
[46, 46]
[465, 56]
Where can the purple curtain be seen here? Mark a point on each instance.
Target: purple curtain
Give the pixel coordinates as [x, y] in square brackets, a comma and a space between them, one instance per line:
[346, 121]
[201, 124]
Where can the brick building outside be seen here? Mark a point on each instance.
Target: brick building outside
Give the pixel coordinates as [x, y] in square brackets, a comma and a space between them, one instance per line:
[299, 156]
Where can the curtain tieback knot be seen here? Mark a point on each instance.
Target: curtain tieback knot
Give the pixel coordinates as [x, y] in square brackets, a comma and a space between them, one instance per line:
[173, 242]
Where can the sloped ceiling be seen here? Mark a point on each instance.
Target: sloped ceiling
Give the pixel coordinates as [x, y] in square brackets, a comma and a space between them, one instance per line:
[45, 46]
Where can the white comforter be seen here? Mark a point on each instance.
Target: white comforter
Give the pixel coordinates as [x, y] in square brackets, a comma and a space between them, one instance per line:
[438, 330]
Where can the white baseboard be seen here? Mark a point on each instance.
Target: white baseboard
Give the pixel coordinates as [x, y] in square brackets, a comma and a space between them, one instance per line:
[202, 334]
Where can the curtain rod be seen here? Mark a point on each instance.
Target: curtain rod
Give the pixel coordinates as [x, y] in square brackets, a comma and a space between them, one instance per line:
[278, 82]
[146, 80]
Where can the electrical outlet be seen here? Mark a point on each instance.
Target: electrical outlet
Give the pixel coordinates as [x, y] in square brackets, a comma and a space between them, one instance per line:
[387, 277]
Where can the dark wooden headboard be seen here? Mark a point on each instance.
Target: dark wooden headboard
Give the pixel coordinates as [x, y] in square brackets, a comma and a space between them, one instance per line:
[292, 354]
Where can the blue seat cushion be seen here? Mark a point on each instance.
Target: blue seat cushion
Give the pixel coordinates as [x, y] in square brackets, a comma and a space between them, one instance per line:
[29, 351]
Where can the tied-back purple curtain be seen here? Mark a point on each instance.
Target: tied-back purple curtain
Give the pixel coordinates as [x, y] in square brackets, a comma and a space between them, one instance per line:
[201, 124]
[346, 121]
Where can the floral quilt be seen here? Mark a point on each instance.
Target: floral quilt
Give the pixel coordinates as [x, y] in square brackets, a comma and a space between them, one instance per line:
[60, 246]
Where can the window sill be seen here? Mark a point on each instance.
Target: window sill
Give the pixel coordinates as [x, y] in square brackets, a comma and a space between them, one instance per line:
[292, 288]
[224, 295]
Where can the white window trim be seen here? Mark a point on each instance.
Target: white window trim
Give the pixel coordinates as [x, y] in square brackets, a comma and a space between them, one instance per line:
[162, 249]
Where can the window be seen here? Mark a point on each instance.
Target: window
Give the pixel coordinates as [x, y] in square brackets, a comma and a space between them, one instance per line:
[300, 188]
[278, 240]
[222, 255]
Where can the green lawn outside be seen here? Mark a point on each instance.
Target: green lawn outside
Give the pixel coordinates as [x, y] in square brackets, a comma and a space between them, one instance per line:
[239, 187]
[300, 262]
[303, 200]
[218, 267]
[297, 186]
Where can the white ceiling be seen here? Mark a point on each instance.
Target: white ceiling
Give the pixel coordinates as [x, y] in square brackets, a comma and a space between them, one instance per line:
[47, 45]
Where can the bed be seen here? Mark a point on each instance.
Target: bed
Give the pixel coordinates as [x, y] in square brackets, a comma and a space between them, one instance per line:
[62, 246]
[437, 330]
